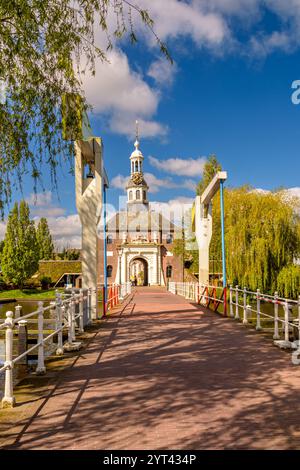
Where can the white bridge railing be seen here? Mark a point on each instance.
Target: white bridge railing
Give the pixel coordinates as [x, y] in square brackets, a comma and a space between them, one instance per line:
[281, 318]
[69, 311]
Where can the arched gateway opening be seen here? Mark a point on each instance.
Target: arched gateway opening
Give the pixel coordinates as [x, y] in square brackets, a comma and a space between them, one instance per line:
[138, 271]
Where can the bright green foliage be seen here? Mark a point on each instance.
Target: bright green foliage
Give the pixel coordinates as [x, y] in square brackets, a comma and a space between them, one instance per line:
[288, 281]
[1, 249]
[211, 167]
[45, 47]
[262, 236]
[71, 254]
[20, 254]
[44, 240]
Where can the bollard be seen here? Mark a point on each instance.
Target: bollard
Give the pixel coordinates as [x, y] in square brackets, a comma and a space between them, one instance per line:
[18, 310]
[231, 301]
[41, 369]
[276, 331]
[237, 316]
[81, 329]
[8, 401]
[60, 310]
[258, 325]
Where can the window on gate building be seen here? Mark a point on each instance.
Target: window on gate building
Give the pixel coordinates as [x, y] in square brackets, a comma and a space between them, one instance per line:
[109, 239]
[169, 271]
[169, 238]
[109, 271]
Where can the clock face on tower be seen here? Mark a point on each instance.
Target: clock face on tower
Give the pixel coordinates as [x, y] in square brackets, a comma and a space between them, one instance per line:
[137, 178]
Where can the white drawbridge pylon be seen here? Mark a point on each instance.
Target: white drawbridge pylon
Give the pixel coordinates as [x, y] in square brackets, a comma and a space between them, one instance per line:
[202, 223]
[90, 177]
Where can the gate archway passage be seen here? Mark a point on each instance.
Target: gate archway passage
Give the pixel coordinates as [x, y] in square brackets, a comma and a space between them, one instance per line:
[138, 269]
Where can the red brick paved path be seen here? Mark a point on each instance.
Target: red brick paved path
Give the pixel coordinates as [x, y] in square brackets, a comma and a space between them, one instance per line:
[165, 374]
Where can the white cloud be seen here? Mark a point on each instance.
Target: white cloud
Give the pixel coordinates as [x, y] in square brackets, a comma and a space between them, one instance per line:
[174, 209]
[163, 72]
[39, 199]
[119, 182]
[174, 19]
[294, 192]
[122, 95]
[41, 205]
[155, 184]
[66, 231]
[180, 166]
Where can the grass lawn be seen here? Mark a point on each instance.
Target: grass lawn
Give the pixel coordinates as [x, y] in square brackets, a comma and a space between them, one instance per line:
[30, 294]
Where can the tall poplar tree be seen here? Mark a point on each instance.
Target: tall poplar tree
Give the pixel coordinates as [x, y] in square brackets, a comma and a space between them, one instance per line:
[44, 240]
[20, 254]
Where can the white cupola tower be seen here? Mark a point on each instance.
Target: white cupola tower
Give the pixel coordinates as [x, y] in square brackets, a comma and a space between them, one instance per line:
[137, 188]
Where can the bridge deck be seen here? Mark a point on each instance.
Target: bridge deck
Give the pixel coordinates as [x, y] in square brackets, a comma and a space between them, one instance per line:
[166, 374]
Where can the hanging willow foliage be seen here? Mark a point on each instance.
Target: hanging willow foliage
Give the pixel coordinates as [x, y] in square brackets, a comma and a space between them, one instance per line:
[262, 237]
[45, 48]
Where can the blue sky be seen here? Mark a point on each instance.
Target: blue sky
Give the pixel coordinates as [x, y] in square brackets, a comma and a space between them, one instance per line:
[229, 93]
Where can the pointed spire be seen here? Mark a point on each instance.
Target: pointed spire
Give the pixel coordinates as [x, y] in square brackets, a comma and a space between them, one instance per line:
[137, 143]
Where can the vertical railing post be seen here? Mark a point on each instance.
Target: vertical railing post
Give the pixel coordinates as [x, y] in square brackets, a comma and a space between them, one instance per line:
[104, 304]
[73, 313]
[59, 321]
[258, 325]
[246, 312]
[286, 322]
[245, 304]
[18, 311]
[89, 304]
[276, 330]
[8, 401]
[237, 316]
[231, 301]
[41, 369]
[299, 322]
[69, 312]
[81, 329]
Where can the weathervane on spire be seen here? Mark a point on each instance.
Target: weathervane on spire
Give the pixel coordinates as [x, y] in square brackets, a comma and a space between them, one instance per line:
[136, 144]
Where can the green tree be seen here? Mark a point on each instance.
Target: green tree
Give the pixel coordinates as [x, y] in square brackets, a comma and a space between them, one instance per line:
[20, 254]
[261, 234]
[288, 281]
[44, 240]
[1, 249]
[211, 167]
[42, 47]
